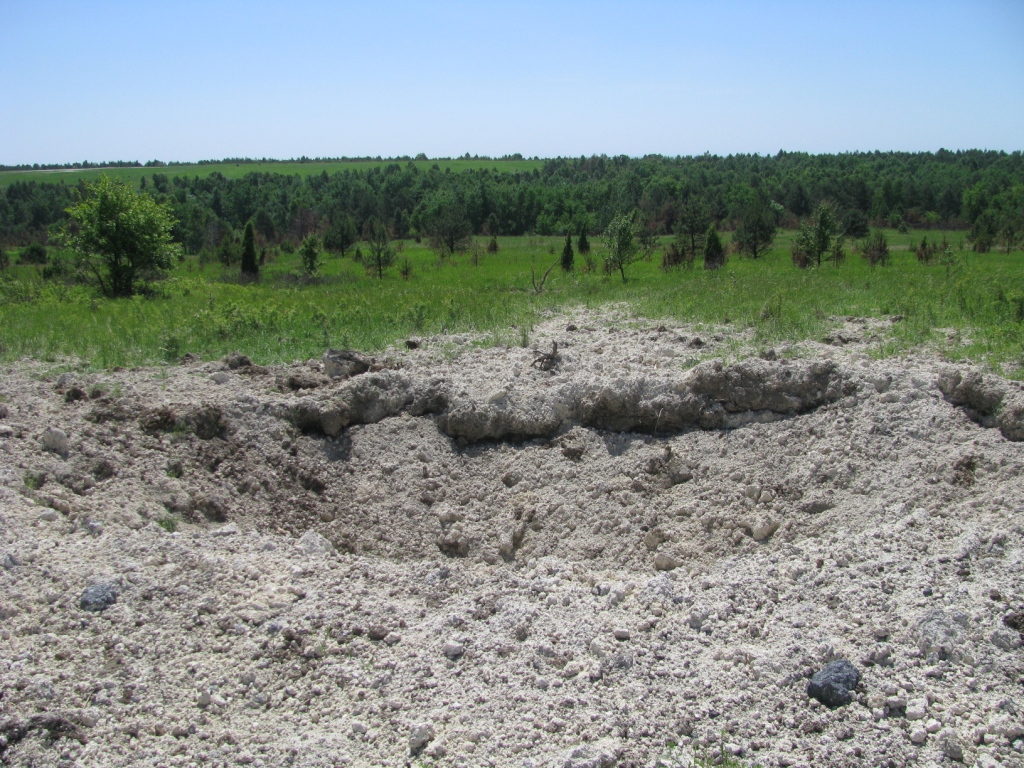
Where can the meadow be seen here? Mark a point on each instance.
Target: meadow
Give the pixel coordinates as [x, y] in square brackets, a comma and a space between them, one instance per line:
[965, 307]
[230, 170]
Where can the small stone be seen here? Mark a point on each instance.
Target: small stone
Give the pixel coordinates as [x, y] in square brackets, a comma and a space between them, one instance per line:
[1010, 728]
[663, 561]
[436, 750]
[225, 530]
[621, 634]
[917, 709]
[420, 736]
[939, 634]
[48, 516]
[764, 528]
[453, 649]
[344, 363]
[949, 744]
[313, 543]
[919, 735]
[220, 377]
[1006, 639]
[377, 632]
[55, 441]
[97, 598]
[235, 360]
[833, 683]
[933, 726]
[204, 700]
[392, 638]
[359, 728]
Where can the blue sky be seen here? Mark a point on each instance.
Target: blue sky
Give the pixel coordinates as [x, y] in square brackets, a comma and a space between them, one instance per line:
[183, 80]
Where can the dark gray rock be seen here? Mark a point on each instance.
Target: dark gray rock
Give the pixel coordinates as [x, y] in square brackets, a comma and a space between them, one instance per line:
[345, 363]
[833, 683]
[98, 597]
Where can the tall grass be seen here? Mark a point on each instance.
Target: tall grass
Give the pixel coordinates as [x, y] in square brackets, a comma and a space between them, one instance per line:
[970, 308]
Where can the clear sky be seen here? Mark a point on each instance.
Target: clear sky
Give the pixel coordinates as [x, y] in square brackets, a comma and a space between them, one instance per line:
[184, 80]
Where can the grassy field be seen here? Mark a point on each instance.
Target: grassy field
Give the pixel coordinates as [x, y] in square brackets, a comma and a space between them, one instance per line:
[969, 308]
[237, 170]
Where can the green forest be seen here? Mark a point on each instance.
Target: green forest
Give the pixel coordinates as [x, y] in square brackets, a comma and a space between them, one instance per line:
[980, 192]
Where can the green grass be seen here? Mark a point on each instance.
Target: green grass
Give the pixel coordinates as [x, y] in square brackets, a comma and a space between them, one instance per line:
[970, 309]
[238, 170]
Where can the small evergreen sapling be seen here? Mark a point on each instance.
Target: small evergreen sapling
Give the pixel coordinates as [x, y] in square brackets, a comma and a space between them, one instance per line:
[250, 263]
[583, 245]
[309, 252]
[714, 251]
[567, 254]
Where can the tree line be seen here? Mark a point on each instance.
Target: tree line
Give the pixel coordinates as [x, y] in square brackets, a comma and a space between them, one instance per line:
[975, 190]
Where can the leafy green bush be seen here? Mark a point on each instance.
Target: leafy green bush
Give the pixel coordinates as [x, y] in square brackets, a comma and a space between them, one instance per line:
[33, 253]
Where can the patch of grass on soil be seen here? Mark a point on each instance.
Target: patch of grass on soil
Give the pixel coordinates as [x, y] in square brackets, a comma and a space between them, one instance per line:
[966, 307]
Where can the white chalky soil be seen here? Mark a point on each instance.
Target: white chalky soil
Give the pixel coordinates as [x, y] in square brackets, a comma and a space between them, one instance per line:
[460, 559]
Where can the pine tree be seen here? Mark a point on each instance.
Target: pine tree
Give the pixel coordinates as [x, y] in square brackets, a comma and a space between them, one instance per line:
[583, 245]
[382, 253]
[309, 252]
[250, 264]
[567, 255]
[714, 252]
[757, 228]
[694, 219]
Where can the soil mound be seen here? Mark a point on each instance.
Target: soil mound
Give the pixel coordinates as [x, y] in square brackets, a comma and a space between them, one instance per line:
[612, 553]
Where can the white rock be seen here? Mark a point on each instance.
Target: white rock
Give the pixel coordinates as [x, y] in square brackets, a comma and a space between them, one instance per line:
[919, 735]
[764, 528]
[55, 441]
[48, 515]
[617, 595]
[1007, 639]
[917, 709]
[312, 543]
[933, 726]
[453, 649]
[1009, 728]
[663, 561]
[949, 743]
[420, 735]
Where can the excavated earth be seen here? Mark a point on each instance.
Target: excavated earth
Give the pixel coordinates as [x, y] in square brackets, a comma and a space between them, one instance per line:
[631, 550]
